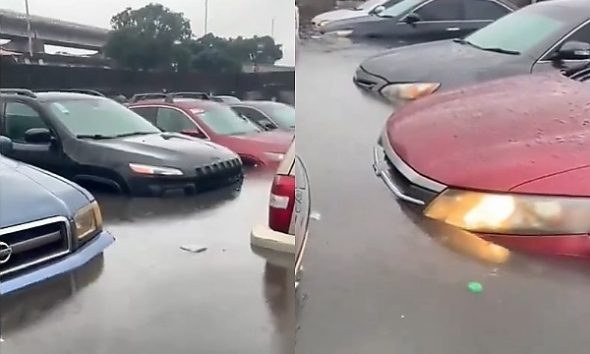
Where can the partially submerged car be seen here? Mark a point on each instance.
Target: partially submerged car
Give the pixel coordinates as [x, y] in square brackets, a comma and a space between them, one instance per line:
[268, 115]
[510, 165]
[550, 35]
[286, 231]
[369, 7]
[48, 225]
[417, 21]
[216, 122]
[94, 140]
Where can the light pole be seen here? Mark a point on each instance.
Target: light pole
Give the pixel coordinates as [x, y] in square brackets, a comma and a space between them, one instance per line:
[29, 34]
[272, 28]
[206, 16]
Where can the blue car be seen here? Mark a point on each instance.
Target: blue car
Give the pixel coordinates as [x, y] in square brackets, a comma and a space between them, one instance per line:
[48, 225]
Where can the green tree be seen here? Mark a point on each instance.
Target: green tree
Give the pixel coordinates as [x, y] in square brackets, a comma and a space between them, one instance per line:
[213, 60]
[149, 38]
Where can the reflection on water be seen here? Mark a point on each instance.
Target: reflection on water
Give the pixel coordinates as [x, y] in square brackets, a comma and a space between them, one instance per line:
[28, 306]
[279, 293]
[458, 240]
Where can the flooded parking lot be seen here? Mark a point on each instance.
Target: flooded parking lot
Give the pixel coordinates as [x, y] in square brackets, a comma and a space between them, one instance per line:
[146, 295]
[378, 278]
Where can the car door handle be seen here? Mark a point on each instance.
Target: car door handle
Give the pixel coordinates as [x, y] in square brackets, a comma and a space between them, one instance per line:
[453, 29]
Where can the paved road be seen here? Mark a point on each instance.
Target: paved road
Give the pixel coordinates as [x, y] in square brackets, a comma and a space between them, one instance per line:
[379, 279]
[148, 296]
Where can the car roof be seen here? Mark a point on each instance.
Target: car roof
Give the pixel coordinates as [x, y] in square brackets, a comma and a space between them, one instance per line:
[58, 96]
[564, 5]
[182, 103]
[259, 103]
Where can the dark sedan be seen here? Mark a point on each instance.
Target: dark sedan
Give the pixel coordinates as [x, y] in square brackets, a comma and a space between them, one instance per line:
[545, 36]
[416, 21]
[94, 140]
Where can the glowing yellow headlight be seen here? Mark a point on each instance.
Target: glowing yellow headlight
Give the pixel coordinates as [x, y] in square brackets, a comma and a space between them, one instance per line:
[409, 92]
[88, 221]
[513, 214]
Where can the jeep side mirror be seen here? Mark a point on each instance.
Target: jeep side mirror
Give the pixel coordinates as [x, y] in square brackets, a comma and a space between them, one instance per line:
[38, 136]
[379, 9]
[5, 145]
[412, 18]
[573, 50]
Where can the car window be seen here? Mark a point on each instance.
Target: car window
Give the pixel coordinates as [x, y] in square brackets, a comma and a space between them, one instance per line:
[225, 121]
[484, 10]
[99, 117]
[256, 117]
[522, 31]
[148, 113]
[400, 8]
[441, 10]
[174, 121]
[20, 117]
[282, 114]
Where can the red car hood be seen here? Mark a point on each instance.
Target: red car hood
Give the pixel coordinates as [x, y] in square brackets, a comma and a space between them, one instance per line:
[499, 135]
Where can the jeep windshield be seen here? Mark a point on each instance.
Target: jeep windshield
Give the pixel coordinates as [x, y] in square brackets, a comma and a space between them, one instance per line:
[99, 118]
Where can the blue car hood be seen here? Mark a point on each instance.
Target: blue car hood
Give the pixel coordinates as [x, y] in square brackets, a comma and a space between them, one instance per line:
[28, 194]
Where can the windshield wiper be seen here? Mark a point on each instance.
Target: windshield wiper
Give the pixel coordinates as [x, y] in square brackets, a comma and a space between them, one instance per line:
[501, 50]
[497, 50]
[133, 134]
[94, 136]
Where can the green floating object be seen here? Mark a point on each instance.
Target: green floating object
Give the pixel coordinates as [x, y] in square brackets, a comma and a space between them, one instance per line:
[475, 287]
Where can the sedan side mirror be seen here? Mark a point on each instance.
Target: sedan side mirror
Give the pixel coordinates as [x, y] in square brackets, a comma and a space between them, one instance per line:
[38, 136]
[573, 50]
[412, 18]
[5, 145]
[194, 133]
[379, 9]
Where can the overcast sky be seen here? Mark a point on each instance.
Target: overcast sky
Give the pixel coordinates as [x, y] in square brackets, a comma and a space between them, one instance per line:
[227, 18]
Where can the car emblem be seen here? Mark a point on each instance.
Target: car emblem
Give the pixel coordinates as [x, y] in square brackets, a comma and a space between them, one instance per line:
[5, 252]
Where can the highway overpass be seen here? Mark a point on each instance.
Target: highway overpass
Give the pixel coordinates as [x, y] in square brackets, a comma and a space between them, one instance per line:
[48, 31]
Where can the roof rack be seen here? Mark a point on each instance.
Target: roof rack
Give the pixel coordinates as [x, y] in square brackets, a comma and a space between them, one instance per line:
[196, 95]
[22, 92]
[147, 96]
[84, 91]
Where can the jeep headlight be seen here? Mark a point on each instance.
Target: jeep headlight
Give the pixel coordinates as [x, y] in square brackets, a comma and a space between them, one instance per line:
[87, 221]
[512, 214]
[408, 92]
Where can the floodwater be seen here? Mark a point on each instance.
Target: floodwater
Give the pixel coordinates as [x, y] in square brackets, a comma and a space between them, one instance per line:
[146, 295]
[379, 278]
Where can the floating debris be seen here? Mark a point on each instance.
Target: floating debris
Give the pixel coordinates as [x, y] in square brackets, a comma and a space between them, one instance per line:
[475, 287]
[193, 248]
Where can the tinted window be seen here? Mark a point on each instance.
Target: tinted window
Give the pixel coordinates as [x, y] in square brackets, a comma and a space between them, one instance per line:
[441, 10]
[582, 35]
[148, 113]
[172, 120]
[18, 118]
[484, 10]
[256, 117]
[100, 116]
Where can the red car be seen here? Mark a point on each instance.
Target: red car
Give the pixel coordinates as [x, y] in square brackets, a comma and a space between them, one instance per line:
[506, 160]
[217, 122]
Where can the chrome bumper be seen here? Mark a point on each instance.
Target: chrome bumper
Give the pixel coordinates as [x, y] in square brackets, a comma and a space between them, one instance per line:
[381, 169]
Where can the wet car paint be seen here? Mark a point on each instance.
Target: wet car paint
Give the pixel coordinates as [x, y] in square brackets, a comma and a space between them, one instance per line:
[149, 296]
[380, 278]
